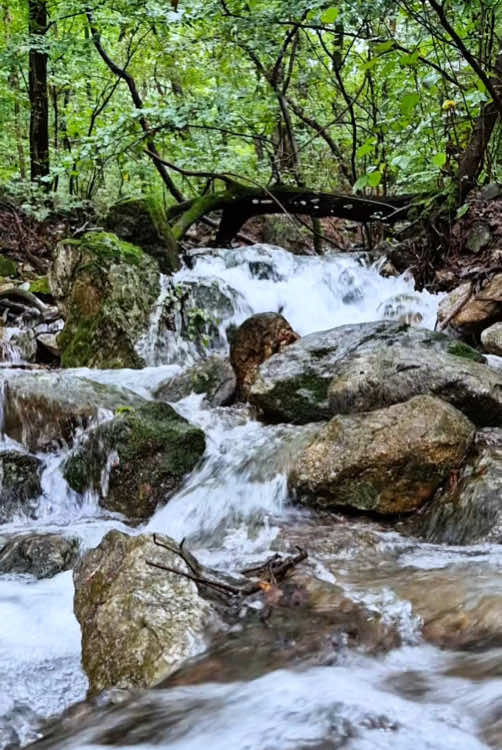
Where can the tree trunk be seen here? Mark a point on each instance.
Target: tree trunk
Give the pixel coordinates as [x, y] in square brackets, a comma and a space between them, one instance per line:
[38, 93]
[472, 160]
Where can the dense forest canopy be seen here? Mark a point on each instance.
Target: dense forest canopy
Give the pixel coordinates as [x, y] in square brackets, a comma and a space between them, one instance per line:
[366, 98]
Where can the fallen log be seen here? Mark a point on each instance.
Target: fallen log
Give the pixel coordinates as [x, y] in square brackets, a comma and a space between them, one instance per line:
[239, 203]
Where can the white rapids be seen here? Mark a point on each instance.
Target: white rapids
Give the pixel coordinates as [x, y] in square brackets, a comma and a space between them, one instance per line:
[231, 510]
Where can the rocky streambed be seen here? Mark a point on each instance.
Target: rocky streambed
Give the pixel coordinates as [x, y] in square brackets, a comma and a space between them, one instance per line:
[138, 496]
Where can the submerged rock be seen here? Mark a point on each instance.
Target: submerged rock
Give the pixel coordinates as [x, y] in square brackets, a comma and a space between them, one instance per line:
[19, 484]
[42, 555]
[214, 377]
[357, 368]
[469, 510]
[460, 606]
[137, 459]
[43, 410]
[253, 342]
[107, 289]
[387, 461]
[139, 623]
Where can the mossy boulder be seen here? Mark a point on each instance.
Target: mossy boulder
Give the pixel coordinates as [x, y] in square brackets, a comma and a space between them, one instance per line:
[357, 368]
[137, 459]
[386, 461]
[20, 485]
[213, 377]
[139, 623]
[143, 222]
[41, 555]
[107, 289]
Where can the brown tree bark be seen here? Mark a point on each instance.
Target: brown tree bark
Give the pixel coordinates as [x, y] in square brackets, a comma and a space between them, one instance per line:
[38, 92]
[472, 160]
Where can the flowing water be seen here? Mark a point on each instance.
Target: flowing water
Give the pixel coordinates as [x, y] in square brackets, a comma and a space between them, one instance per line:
[234, 509]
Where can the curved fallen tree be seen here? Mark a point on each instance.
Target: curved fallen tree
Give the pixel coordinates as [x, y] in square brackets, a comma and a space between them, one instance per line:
[239, 203]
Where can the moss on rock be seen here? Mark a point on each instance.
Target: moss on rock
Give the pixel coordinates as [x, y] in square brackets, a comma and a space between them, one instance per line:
[7, 266]
[108, 288]
[151, 447]
[40, 286]
[460, 349]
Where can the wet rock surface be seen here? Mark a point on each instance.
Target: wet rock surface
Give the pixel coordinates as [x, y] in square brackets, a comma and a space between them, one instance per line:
[138, 623]
[257, 339]
[386, 461]
[19, 484]
[491, 338]
[371, 365]
[137, 459]
[41, 555]
[469, 509]
[107, 288]
[471, 311]
[43, 410]
[214, 377]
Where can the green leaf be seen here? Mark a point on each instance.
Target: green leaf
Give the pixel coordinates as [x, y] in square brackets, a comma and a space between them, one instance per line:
[462, 210]
[330, 15]
[409, 60]
[439, 160]
[374, 179]
[382, 47]
[361, 183]
[408, 103]
[365, 149]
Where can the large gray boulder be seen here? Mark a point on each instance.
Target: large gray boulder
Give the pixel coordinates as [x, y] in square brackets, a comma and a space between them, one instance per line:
[137, 459]
[107, 289]
[386, 461]
[42, 555]
[139, 623]
[19, 484]
[469, 509]
[356, 368]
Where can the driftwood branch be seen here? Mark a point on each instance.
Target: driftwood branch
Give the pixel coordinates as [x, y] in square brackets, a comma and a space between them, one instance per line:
[275, 569]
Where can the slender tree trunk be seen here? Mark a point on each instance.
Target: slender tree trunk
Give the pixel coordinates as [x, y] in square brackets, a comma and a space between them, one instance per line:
[38, 93]
[472, 160]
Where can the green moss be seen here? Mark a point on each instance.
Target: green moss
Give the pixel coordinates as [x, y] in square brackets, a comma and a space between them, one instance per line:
[77, 474]
[40, 286]
[302, 399]
[156, 448]
[107, 246]
[459, 349]
[112, 293]
[7, 266]
[77, 345]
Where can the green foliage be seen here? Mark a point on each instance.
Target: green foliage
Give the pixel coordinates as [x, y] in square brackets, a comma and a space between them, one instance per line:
[364, 84]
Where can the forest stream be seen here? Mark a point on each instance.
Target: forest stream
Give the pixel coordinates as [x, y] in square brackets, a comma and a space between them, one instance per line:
[273, 685]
